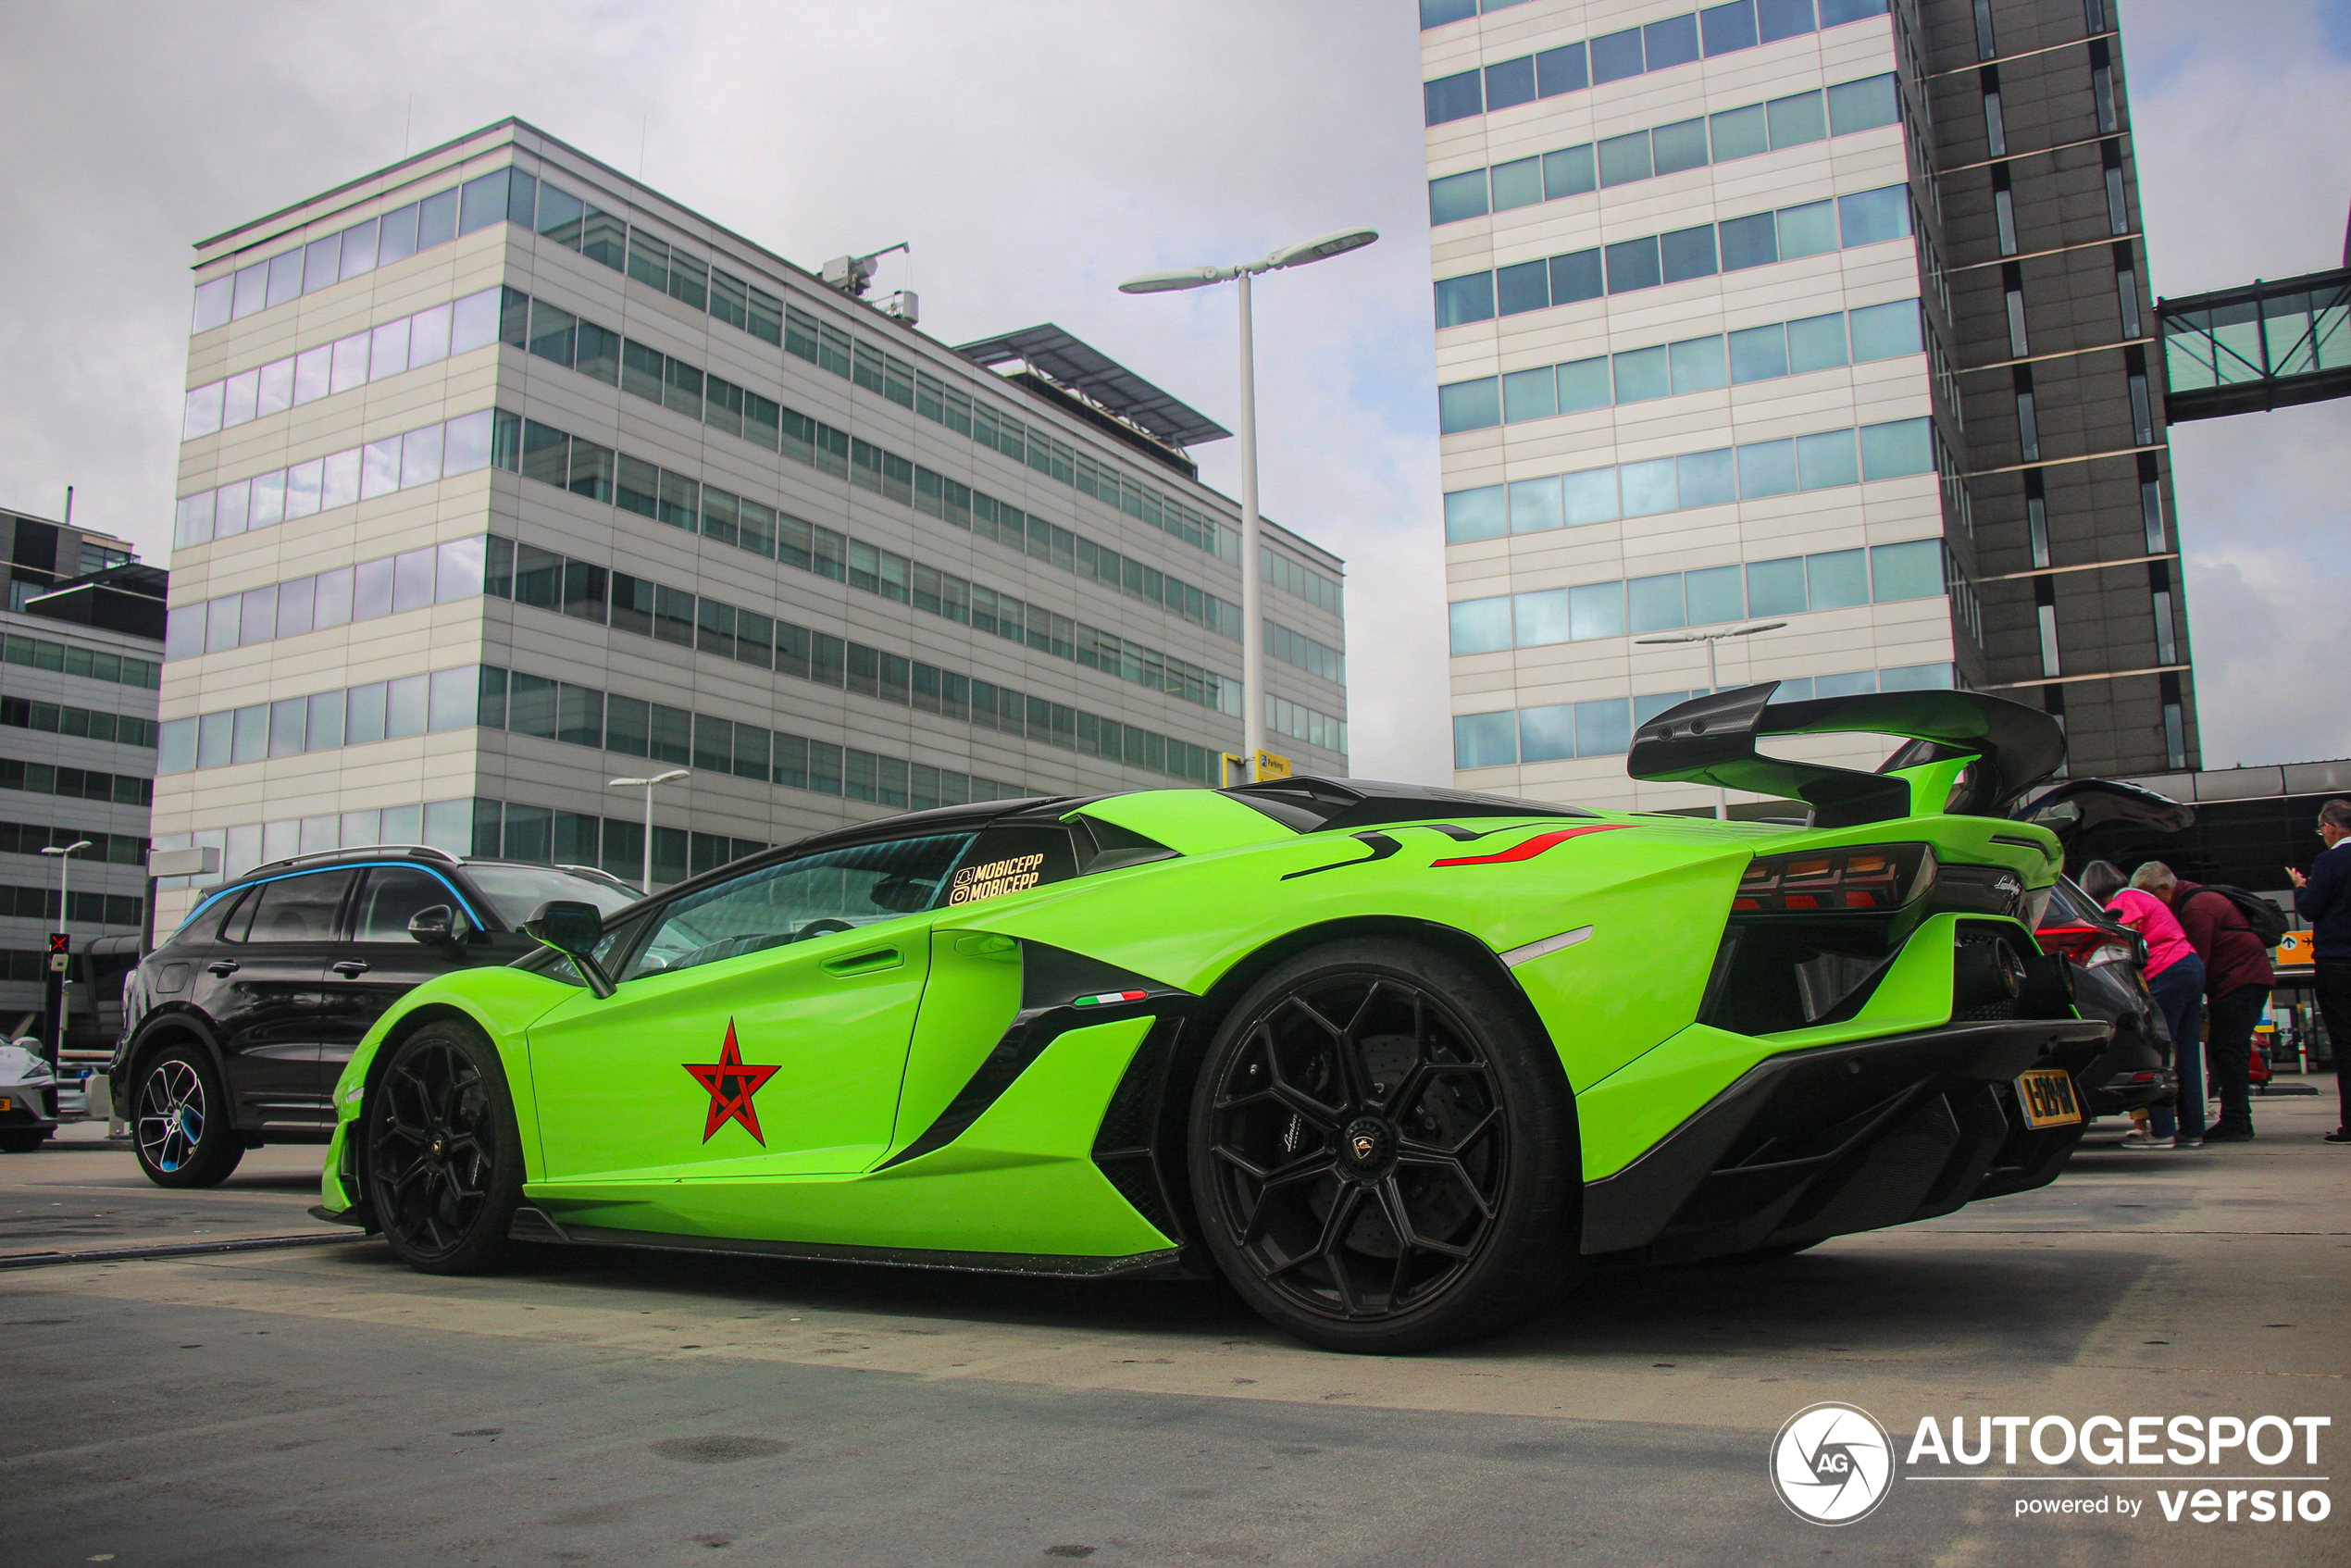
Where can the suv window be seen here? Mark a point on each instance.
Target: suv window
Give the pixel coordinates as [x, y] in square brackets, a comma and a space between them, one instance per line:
[390, 897]
[795, 900]
[292, 909]
[1012, 860]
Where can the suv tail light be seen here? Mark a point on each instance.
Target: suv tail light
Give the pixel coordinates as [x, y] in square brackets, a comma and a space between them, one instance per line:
[1879, 877]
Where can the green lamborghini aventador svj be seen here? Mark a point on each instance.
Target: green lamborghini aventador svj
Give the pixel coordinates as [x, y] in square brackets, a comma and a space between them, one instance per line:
[1395, 1061]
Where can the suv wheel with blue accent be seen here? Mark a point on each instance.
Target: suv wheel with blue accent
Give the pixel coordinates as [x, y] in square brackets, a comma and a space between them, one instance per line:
[180, 1124]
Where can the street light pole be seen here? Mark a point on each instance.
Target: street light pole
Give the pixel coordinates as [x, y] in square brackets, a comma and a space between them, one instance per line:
[647, 785]
[1253, 568]
[65, 854]
[1713, 677]
[1252, 565]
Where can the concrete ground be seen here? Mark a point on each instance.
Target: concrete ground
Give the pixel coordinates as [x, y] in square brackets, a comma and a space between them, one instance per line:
[598, 1407]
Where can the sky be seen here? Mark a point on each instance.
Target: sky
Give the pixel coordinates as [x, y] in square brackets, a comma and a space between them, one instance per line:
[1034, 151]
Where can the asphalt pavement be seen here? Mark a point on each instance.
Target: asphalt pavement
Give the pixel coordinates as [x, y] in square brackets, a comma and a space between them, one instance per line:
[319, 1404]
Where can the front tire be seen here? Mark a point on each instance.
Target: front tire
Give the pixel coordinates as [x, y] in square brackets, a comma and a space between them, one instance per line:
[1383, 1153]
[181, 1125]
[443, 1158]
[21, 1142]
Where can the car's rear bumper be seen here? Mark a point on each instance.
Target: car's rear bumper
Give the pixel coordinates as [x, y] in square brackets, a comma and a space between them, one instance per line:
[1844, 1137]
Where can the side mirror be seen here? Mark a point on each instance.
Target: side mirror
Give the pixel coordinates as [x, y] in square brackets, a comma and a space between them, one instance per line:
[572, 929]
[440, 923]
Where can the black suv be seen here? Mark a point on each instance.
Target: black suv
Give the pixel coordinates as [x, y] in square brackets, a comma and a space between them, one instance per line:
[236, 1027]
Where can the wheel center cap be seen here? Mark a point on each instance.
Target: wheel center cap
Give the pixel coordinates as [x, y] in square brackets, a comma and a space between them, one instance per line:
[1367, 1148]
[439, 1148]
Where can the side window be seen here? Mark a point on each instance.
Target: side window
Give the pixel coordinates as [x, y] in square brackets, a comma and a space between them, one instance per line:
[293, 909]
[390, 897]
[795, 900]
[1012, 860]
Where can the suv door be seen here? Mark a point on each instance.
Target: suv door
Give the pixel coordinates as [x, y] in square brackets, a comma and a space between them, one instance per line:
[760, 1031]
[379, 962]
[262, 992]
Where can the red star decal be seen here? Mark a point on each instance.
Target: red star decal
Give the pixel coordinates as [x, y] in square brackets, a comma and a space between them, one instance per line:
[732, 1084]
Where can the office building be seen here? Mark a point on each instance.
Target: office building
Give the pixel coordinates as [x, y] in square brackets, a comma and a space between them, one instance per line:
[1822, 312]
[81, 658]
[505, 475]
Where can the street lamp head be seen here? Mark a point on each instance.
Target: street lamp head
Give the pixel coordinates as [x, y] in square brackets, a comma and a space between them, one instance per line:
[1181, 278]
[647, 783]
[1321, 248]
[1751, 630]
[68, 849]
[1673, 637]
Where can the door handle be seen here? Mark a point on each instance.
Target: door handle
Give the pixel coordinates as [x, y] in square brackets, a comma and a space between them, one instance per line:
[866, 962]
[221, 966]
[350, 968]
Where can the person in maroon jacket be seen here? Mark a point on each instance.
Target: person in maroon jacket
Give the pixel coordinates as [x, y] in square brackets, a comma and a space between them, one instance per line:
[2236, 985]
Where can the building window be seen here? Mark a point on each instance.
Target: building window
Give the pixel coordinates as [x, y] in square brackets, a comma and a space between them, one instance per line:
[2166, 641]
[2102, 86]
[1984, 47]
[2134, 361]
[2175, 725]
[2151, 505]
[2028, 428]
[2045, 611]
[2037, 516]
[1453, 97]
[2012, 283]
[2004, 208]
[1995, 129]
[2117, 210]
[2126, 288]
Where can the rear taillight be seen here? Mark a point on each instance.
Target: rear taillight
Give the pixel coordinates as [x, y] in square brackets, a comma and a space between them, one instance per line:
[1880, 877]
[2086, 945]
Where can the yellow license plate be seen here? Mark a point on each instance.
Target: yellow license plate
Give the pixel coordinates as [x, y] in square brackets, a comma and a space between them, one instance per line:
[2045, 1096]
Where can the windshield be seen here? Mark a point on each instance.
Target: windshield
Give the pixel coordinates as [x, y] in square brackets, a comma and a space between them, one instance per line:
[515, 891]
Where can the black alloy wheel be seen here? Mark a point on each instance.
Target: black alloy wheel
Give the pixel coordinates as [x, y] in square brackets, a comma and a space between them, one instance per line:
[179, 1122]
[1383, 1153]
[443, 1160]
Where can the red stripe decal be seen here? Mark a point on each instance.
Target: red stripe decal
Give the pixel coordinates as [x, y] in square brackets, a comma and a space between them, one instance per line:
[1532, 847]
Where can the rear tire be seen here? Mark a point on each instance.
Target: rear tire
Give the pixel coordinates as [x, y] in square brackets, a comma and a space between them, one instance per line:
[443, 1158]
[21, 1142]
[181, 1125]
[1383, 1154]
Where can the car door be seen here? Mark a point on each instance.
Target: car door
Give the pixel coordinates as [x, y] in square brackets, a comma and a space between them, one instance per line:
[759, 1030]
[379, 962]
[264, 978]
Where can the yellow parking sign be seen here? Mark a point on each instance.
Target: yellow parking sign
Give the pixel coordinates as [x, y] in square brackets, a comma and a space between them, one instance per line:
[1272, 766]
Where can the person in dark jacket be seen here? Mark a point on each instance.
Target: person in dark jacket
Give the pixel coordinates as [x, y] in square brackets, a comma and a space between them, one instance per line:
[2237, 977]
[2323, 898]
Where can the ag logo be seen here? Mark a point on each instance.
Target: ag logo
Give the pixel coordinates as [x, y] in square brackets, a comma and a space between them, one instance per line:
[1832, 1464]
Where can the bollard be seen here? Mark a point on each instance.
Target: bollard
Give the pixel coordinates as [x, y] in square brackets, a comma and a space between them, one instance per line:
[101, 1090]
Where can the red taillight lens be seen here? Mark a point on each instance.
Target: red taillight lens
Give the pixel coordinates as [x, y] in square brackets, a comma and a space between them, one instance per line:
[1884, 876]
[2077, 943]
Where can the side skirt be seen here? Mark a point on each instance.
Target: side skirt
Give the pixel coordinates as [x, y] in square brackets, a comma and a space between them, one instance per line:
[532, 1223]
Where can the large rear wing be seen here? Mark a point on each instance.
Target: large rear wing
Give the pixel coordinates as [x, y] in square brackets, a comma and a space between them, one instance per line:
[1712, 739]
